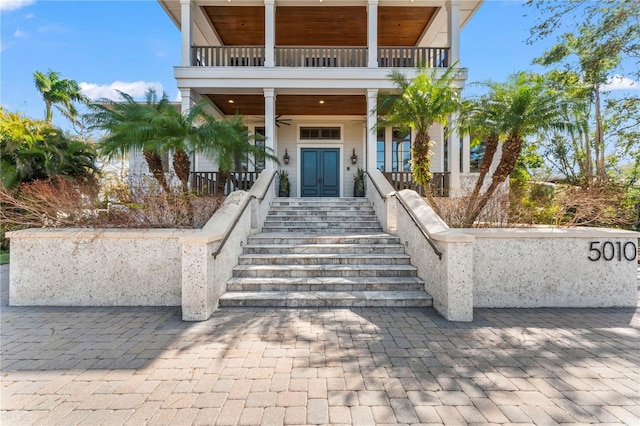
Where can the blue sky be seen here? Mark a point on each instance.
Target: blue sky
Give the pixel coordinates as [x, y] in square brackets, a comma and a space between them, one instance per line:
[131, 45]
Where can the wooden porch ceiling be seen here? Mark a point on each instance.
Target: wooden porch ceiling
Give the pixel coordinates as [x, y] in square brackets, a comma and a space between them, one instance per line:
[248, 105]
[319, 25]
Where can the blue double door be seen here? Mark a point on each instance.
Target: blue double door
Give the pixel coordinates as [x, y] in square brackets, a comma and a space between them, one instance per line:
[320, 172]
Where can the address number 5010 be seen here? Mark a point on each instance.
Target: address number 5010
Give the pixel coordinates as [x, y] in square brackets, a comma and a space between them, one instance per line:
[608, 250]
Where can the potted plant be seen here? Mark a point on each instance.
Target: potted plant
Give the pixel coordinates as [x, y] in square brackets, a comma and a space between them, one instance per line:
[358, 183]
[283, 188]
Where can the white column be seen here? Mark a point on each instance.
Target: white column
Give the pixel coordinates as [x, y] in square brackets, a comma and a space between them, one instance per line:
[453, 33]
[454, 157]
[186, 31]
[372, 34]
[269, 32]
[187, 101]
[270, 125]
[372, 134]
[466, 154]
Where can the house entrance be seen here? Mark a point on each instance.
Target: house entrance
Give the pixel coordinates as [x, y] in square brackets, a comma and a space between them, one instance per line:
[320, 172]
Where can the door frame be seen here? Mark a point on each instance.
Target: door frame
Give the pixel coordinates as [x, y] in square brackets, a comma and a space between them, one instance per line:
[316, 145]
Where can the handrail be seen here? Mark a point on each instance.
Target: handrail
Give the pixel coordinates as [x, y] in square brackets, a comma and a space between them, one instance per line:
[415, 221]
[429, 240]
[238, 216]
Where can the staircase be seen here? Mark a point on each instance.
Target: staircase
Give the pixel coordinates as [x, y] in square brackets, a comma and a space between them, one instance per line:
[324, 252]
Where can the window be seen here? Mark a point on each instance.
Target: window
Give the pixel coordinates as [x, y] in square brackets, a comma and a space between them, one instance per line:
[328, 133]
[476, 155]
[401, 150]
[260, 144]
[380, 149]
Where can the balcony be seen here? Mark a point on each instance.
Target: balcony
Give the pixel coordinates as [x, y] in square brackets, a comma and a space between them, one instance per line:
[319, 57]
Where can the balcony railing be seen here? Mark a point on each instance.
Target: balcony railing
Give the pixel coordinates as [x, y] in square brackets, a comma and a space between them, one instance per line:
[319, 57]
[208, 183]
[227, 56]
[403, 180]
[412, 57]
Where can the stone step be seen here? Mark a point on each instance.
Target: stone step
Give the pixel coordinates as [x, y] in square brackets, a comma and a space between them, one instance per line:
[319, 230]
[326, 284]
[306, 271]
[324, 248]
[283, 201]
[316, 222]
[304, 238]
[326, 298]
[324, 259]
[330, 213]
[323, 218]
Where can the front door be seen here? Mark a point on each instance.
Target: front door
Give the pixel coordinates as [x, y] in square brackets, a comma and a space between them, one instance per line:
[320, 172]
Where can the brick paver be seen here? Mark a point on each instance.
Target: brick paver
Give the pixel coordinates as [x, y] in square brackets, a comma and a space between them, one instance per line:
[141, 366]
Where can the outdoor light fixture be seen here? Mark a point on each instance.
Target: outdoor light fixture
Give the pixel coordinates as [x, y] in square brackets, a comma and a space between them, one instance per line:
[286, 156]
[354, 157]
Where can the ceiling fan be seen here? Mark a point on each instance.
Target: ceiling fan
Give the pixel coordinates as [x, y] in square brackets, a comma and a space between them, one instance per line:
[279, 121]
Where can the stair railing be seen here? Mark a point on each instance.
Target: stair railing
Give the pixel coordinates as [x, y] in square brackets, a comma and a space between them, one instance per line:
[239, 215]
[411, 215]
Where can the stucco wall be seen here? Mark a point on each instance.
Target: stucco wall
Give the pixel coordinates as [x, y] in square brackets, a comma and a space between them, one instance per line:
[87, 267]
[549, 267]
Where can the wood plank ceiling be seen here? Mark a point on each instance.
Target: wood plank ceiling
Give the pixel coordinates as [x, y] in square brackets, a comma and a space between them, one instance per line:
[249, 105]
[319, 25]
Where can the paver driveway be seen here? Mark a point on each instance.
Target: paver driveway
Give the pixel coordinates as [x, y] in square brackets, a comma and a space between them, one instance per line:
[317, 366]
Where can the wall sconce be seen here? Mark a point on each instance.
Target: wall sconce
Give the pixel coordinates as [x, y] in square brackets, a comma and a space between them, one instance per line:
[354, 157]
[286, 156]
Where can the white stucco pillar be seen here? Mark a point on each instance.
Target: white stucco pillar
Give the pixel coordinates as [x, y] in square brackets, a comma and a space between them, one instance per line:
[466, 154]
[372, 134]
[453, 33]
[187, 100]
[186, 31]
[270, 125]
[269, 32]
[454, 157]
[372, 34]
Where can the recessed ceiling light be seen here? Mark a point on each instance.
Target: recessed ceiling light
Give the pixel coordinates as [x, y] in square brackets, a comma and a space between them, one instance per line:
[230, 101]
[321, 101]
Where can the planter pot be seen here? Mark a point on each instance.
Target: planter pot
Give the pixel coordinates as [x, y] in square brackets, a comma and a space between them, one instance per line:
[358, 190]
[283, 192]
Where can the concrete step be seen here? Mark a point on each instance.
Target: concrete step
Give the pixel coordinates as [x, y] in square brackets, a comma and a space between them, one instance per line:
[324, 259]
[323, 213]
[353, 217]
[326, 284]
[304, 238]
[309, 271]
[326, 298]
[315, 222]
[323, 248]
[319, 230]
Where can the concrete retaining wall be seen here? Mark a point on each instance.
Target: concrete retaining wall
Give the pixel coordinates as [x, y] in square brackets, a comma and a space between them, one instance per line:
[551, 267]
[87, 267]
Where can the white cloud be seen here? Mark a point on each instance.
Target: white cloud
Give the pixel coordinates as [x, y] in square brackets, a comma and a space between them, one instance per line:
[618, 82]
[9, 5]
[29, 16]
[19, 33]
[178, 97]
[136, 89]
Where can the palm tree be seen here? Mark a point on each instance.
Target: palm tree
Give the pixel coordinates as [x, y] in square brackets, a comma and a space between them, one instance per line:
[130, 128]
[34, 150]
[56, 90]
[511, 112]
[420, 103]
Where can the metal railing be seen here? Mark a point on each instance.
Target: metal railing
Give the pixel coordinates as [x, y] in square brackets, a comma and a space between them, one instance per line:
[413, 57]
[227, 56]
[207, 183]
[320, 57]
[238, 216]
[403, 180]
[433, 246]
